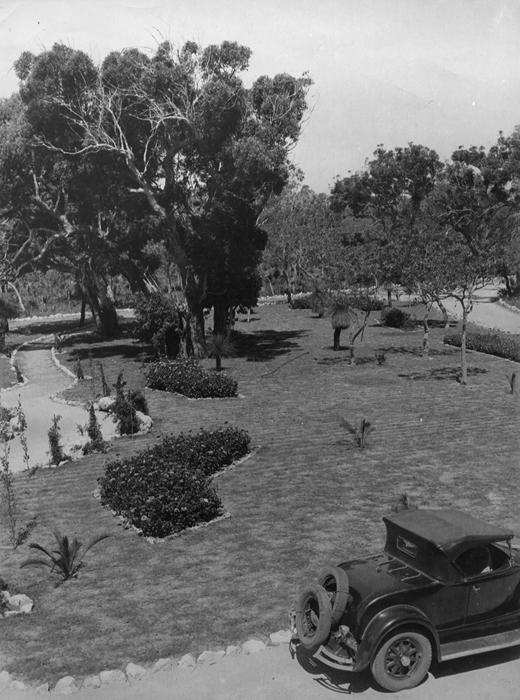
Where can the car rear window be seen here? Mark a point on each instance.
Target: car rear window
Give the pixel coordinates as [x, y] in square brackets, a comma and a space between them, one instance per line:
[407, 547]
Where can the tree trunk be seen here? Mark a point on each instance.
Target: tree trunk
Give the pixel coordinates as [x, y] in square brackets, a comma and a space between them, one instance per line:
[220, 318]
[218, 362]
[83, 309]
[102, 304]
[463, 358]
[445, 317]
[426, 335]
[389, 297]
[337, 333]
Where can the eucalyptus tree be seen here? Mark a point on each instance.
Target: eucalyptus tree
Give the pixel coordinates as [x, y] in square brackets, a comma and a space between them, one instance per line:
[187, 140]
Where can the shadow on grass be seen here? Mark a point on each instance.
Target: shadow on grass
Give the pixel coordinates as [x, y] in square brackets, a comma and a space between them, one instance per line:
[259, 346]
[417, 351]
[441, 373]
[345, 359]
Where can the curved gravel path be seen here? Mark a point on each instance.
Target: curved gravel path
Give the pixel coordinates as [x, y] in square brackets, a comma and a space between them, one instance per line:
[44, 380]
[488, 311]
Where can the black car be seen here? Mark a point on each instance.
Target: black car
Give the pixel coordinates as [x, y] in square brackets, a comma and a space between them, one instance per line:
[446, 585]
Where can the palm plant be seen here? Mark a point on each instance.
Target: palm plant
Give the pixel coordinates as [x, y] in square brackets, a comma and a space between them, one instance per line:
[360, 432]
[342, 317]
[66, 559]
[219, 346]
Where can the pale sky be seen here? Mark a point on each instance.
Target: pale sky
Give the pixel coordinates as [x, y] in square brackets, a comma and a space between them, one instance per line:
[438, 72]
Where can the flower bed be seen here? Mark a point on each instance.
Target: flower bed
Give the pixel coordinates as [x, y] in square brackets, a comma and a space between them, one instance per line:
[166, 488]
[187, 377]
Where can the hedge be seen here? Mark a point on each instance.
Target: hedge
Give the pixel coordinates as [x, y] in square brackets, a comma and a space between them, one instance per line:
[493, 342]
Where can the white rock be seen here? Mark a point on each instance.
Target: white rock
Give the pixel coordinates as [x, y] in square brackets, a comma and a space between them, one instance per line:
[253, 646]
[280, 637]
[18, 603]
[5, 677]
[43, 689]
[187, 661]
[91, 682]
[112, 676]
[66, 686]
[145, 422]
[15, 424]
[17, 685]
[232, 650]
[134, 672]
[165, 664]
[210, 657]
[105, 403]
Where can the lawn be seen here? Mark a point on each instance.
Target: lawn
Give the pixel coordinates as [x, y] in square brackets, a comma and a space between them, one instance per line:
[306, 498]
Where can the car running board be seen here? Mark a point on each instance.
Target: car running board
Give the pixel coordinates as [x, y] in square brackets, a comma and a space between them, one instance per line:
[479, 645]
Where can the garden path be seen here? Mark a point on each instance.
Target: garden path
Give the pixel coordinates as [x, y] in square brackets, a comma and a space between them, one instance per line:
[488, 312]
[44, 379]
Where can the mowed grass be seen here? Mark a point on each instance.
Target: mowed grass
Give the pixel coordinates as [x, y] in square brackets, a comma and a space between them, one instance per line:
[307, 497]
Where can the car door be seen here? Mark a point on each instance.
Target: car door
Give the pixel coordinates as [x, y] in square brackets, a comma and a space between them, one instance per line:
[489, 593]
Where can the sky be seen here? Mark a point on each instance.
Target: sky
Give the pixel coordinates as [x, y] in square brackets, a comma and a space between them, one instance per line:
[442, 73]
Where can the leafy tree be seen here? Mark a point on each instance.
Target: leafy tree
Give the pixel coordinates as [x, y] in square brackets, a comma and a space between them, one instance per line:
[189, 143]
[388, 195]
[303, 240]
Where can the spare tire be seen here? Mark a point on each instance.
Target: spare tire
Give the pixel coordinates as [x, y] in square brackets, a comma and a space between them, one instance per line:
[335, 582]
[313, 616]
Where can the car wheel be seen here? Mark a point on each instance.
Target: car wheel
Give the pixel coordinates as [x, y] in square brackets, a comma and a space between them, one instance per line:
[313, 616]
[402, 661]
[335, 582]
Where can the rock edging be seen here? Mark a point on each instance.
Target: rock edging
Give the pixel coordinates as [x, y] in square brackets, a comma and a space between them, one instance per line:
[68, 685]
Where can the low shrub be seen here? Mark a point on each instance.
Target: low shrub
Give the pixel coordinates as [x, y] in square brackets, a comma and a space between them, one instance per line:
[209, 451]
[166, 488]
[124, 408]
[396, 318]
[302, 302]
[187, 377]
[159, 321]
[494, 342]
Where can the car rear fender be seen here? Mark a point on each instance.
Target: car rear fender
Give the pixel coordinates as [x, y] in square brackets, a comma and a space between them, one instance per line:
[389, 621]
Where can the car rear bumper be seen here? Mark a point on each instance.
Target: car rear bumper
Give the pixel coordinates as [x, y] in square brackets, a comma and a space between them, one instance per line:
[327, 657]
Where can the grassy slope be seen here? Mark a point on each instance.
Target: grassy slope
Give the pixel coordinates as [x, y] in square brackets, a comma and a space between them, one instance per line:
[307, 498]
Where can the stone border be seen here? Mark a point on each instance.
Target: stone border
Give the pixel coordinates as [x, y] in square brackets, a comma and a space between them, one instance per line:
[67, 685]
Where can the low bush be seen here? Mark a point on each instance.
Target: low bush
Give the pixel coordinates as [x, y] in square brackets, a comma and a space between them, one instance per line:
[187, 377]
[302, 302]
[497, 343]
[396, 318]
[159, 321]
[209, 451]
[166, 488]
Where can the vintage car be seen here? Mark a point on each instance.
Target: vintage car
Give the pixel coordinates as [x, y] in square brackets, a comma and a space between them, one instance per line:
[446, 585]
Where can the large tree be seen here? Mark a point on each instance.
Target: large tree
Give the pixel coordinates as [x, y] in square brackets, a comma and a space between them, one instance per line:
[201, 150]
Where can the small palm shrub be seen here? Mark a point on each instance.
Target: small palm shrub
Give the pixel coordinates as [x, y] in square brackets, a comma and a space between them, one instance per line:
[219, 346]
[396, 318]
[67, 559]
[186, 376]
[359, 432]
[166, 488]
